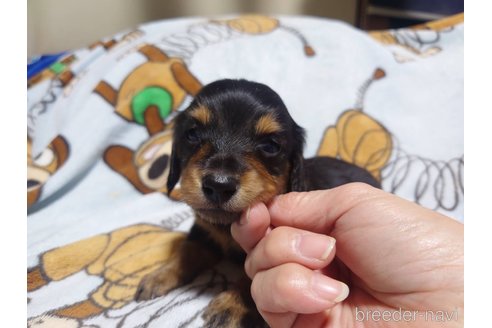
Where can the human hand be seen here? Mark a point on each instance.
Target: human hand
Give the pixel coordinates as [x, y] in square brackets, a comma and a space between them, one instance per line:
[394, 255]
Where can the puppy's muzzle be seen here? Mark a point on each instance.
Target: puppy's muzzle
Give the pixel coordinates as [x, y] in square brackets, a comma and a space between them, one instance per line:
[219, 188]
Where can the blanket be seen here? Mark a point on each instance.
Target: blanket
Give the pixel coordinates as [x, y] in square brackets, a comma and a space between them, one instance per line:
[99, 217]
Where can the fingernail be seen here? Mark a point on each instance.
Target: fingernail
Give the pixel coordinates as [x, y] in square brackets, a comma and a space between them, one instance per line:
[315, 246]
[245, 218]
[329, 289]
[343, 294]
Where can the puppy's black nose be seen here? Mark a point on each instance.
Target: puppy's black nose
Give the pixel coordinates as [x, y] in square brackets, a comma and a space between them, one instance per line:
[219, 188]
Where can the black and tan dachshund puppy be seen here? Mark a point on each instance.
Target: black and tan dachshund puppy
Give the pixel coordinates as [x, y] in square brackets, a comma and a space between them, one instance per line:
[235, 145]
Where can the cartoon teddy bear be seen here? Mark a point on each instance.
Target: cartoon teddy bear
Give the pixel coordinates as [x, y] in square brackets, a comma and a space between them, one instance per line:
[146, 168]
[148, 95]
[121, 258]
[358, 138]
[162, 82]
[44, 165]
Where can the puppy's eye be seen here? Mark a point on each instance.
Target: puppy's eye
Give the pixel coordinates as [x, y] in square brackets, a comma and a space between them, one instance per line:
[269, 148]
[192, 136]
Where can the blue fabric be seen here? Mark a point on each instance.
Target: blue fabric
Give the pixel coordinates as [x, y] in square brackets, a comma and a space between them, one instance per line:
[42, 62]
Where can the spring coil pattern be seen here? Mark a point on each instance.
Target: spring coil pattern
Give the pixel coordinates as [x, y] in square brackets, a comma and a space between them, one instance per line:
[436, 184]
[54, 90]
[184, 45]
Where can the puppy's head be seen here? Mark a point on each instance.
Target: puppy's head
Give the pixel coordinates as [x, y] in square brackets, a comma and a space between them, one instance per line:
[235, 145]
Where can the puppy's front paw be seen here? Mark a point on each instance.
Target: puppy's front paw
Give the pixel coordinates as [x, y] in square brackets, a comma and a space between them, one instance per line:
[158, 283]
[228, 310]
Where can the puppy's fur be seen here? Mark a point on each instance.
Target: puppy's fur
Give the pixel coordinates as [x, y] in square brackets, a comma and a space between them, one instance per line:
[235, 145]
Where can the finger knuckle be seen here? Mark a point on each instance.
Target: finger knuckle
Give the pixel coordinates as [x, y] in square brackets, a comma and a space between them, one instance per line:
[273, 243]
[358, 190]
[287, 279]
[356, 187]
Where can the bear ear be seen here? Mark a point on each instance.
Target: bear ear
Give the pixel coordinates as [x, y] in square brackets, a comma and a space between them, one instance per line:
[297, 177]
[174, 168]
[62, 149]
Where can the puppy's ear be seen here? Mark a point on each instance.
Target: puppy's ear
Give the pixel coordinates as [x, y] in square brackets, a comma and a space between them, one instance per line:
[174, 169]
[297, 178]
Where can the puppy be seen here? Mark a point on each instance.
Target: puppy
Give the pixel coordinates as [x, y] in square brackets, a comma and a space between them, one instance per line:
[235, 145]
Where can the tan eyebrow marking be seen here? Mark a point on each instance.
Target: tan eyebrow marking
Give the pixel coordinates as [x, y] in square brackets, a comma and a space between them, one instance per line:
[267, 124]
[202, 114]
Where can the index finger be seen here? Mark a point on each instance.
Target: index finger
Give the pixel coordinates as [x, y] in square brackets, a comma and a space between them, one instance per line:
[318, 211]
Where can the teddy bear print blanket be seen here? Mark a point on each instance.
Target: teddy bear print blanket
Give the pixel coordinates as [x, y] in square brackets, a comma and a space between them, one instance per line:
[99, 141]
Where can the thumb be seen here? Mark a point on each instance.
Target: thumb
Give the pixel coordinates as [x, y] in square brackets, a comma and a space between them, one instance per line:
[318, 211]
